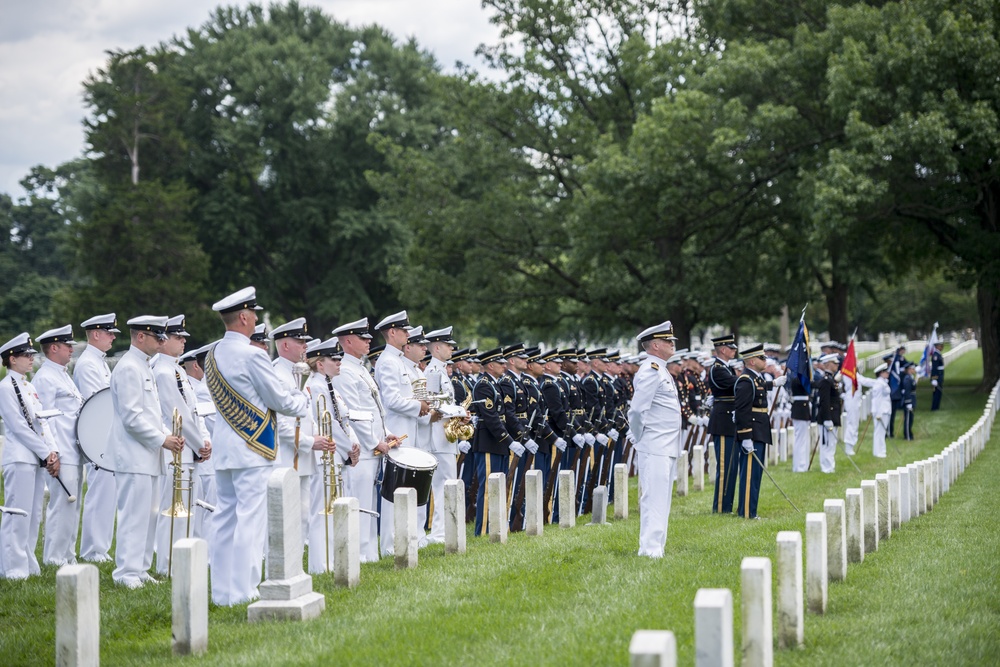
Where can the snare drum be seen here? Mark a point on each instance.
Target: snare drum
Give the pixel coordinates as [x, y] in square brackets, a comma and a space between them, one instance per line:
[408, 467]
[93, 429]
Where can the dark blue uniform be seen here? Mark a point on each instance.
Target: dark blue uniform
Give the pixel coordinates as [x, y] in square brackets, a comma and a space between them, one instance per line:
[752, 423]
[937, 375]
[722, 381]
[908, 392]
[491, 442]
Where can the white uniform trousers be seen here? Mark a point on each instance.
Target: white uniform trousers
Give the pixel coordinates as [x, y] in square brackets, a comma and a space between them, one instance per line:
[850, 419]
[240, 534]
[62, 518]
[800, 445]
[203, 526]
[138, 505]
[878, 435]
[166, 500]
[447, 468]
[656, 480]
[359, 482]
[827, 449]
[98, 526]
[312, 524]
[24, 488]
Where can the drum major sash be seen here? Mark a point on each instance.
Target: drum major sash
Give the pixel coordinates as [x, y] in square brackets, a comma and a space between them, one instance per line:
[255, 426]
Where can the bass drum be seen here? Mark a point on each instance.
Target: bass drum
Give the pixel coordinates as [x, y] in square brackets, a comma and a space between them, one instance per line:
[93, 429]
[408, 467]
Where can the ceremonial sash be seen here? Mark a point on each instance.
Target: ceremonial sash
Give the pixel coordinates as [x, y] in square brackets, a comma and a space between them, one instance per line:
[255, 426]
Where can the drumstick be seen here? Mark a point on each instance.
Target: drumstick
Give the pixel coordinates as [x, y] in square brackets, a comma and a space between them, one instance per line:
[396, 440]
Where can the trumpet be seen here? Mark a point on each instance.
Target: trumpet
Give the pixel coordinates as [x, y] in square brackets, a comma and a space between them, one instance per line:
[177, 508]
[421, 394]
[333, 481]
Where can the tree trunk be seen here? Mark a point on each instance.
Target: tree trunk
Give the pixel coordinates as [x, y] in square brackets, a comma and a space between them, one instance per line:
[988, 301]
[836, 306]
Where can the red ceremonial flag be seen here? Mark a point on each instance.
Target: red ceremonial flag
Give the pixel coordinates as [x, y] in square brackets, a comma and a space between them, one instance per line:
[850, 366]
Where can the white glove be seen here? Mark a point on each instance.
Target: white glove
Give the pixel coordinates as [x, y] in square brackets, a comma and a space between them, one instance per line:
[693, 420]
[517, 448]
[579, 440]
[613, 434]
[933, 383]
[747, 445]
[828, 425]
[464, 446]
[602, 439]
[531, 446]
[629, 436]
[703, 422]
[909, 408]
[709, 400]
[838, 376]
[780, 381]
[475, 420]
[560, 444]
[589, 437]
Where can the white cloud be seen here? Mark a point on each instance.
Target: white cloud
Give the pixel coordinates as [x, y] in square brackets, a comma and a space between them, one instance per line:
[48, 48]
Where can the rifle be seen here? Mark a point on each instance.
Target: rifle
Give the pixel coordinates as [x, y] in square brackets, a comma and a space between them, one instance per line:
[815, 447]
[515, 459]
[584, 476]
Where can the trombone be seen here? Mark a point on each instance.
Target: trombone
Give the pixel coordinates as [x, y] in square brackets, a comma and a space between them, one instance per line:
[177, 508]
[333, 481]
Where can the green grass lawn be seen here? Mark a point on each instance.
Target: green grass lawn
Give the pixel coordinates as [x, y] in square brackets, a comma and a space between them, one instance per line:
[576, 596]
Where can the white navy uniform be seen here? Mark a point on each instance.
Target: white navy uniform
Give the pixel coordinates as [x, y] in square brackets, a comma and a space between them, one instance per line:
[91, 374]
[367, 417]
[437, 444]
[205, 470]
[881, 411]
[655, 419]
[62, 518]
[135, 445]
[241, 474]
[25, 444]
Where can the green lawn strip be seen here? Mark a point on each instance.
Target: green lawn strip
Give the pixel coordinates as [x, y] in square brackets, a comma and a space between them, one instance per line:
[570, 596]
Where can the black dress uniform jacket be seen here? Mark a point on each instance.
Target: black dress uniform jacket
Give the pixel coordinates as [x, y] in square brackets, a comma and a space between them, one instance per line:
[829, 399]
[491, 435]
[750, 408]
[721, 380]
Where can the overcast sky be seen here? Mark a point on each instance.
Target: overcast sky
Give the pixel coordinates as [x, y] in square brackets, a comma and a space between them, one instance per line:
[48, 47]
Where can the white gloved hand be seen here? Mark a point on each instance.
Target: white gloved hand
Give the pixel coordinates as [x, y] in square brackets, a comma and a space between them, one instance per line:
[589, 437]
[475, 420]
[703, 422]
[602, 439]
[909, 408]
[747, 445]
[613, 434]
[517, 448]
[693, 420]
[579, 440]
[629, 436]
[933, 383]
[838, 376]
[828, 425]
[464, 446]
[780, 381]
[709, 400]
[531, 446]
[560, 444]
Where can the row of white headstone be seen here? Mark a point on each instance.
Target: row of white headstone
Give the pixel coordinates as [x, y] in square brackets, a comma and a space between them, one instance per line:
[842, 533]
[287, 592]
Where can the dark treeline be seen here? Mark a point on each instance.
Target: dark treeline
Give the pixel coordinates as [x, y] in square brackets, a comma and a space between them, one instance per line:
[619, 162]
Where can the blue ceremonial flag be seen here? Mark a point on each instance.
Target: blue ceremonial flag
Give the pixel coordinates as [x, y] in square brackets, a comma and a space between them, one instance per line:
[798, 357]
[924, 369]
[895, 371]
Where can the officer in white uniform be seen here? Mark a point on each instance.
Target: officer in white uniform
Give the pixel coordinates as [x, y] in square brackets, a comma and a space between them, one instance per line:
[176, 393]
[91, 374]
[367, 416]
[243, 374]
[26, 447]
[57, 392]
[441, 347]
[137, 436]
[881, 407]
[655, 418]
[202, 522]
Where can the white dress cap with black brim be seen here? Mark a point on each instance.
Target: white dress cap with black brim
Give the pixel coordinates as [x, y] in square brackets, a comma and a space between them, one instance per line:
[395, 321]
[244, 299]
[675, 359]
[357, 328]
[441, 336]
[107, 322]
[297, 329]
[415, 336]
[326, 348]
[153, 324]
[60, 335]
[175, 326]
[664, 330]
[827, 358]
[19, 344]
[259, 334]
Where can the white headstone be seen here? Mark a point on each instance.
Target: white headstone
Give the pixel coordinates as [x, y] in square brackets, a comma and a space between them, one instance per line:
[78, 616]
[567, 511]
[405, 540]
[787, 436]
[904, 494]
[698, 468]
[346, 542]
[454, 516]
[713, 627]
[836, 539]
[652, 648]
[854, 507]
[791, 621]
[884, 506]
[534, 510]
[498, 519]
[816, 562]
[682, 474]
[287, 594]
[916, 489]
[870, 516]
[621, 491]
[600, 504]
[755, 602]
[772, 449]
[713, 464]
[189, 592]
[924, 486]
[894, 500]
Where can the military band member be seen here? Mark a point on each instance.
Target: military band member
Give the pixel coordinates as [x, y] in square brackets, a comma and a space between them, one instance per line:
[91, 374]
[414, 352]
[753, 428]
[828, 392]
[937, 375]
[491, 442]
[28, 452]
[56, 391]
[194, 365]
[259, 338]
[655, 418]
[722, 428]
[440, 345]
[137, 437]
[247, 392]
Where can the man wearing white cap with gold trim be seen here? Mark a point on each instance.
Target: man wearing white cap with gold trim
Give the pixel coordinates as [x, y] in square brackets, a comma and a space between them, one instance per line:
[655, 418]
